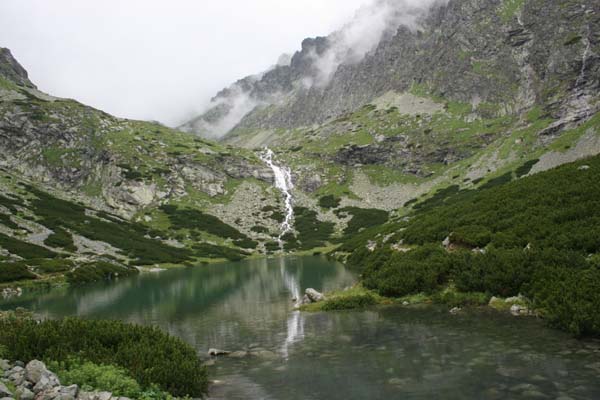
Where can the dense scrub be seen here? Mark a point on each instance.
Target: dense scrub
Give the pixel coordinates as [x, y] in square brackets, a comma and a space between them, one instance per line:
[362, 218]
[90, 376]
[312, 232]
[98, 271]
[329, 201]
[197, 220]
[24, 249]
[11, 272]
[58, 215]
[61, 238]
[149, 356]
[539, 236]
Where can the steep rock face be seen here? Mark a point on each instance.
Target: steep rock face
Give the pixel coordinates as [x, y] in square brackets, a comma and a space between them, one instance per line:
[502, 56]
[11, 70]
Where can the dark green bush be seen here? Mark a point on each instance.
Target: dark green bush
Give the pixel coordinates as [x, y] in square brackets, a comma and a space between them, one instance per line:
[213, 251]
[361, 300]
[51, 265]
[329, 201]
[11, 272]
[197, 220]
[363, 218]
[459, 299]
[569, 298]
[6, 221]
[61, 238]
[24, 249]
[471, 236]
[98, 271]
[131, 237]
[312, 232]
[420, 270]
[149, 356]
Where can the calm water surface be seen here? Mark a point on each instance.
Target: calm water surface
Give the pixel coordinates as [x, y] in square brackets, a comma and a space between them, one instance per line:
[383, 353]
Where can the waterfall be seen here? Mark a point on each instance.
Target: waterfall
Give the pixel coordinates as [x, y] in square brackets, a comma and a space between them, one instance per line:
[283, 182]
[586, 54]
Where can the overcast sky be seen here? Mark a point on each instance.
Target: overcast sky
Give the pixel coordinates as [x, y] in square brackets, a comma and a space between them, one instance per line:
[157, 59]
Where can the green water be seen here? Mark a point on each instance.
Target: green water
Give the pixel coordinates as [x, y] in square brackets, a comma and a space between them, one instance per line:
[382, 353]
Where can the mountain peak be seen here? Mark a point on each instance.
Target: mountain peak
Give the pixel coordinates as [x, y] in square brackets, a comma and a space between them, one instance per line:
[13, 71]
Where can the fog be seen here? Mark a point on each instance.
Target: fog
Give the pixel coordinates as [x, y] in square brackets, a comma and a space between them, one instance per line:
[158, 60]
[360, 34]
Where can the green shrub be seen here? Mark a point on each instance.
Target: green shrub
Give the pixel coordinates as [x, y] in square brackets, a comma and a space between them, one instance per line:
[452, 298]
[569, 298]
[213, 251]
[312, 232]
[197, 220]
[11, 272]
[351, 302]
[246, 243]
[90, 376]
[259, 229]
[363, 218]
[131, 237]
[6, 221]
[98, 271]
[471, 236]
[329, 201]
[420, 270]
[61, 238]
[51, 265]
[24, 249]
[149, 356]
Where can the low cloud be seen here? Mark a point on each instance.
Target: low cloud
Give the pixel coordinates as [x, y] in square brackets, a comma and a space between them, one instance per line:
[371, 24]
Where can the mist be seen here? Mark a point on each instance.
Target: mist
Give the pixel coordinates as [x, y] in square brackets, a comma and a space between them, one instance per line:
[362, 34]
[359, 35]
[157, 60]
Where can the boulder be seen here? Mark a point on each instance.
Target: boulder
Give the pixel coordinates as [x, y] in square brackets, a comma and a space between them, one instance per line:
[217, 352]
[4, 365]
[24, 394]
[4, 392]
[455, 310]
[314, 296]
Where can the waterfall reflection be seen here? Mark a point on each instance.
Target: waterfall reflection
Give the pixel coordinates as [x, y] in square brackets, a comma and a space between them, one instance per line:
[295, 322]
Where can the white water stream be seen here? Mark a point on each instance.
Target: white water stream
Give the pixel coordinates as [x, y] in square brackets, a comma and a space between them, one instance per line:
[283, 182]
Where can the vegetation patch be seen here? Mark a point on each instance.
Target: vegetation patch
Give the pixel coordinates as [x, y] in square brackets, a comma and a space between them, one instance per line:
[24, 249]
[197, 220]
[149, 356]
[62, 239]
[98, 271]
[312, 232]
[535, 240]
[12, 272]
[329, 202]
[363, 218]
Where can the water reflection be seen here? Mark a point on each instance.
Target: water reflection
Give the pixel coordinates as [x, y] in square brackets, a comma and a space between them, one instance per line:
[229, 305]
[295, 323]
[383, 353]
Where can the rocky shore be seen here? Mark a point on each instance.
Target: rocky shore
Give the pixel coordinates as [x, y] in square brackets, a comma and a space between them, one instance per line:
[35, 381]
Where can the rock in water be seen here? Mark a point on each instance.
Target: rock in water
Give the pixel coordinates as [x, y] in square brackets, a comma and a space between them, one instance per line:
[217, 352]
[314, 296]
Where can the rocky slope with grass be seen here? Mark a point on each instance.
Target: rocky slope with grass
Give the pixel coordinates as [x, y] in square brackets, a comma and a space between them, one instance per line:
[87, 196]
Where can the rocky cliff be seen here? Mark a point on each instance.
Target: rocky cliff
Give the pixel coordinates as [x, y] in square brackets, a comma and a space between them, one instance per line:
[499, 56]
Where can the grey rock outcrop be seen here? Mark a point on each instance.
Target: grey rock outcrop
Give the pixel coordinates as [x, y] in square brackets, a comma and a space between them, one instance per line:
[35, 381]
